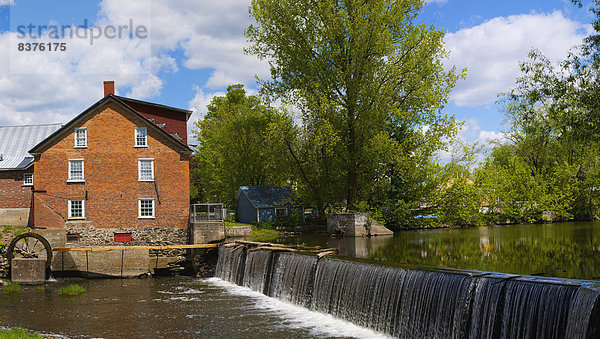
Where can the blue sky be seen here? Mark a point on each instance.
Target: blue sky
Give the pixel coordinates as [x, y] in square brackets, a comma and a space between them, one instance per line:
[194, 51]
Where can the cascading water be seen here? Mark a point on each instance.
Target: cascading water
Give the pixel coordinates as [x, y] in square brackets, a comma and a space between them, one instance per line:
[257, 271]
[293, 278]
[407, 302]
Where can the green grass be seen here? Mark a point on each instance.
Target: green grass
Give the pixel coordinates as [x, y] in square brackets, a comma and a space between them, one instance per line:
[230, 224]
[11, 288]
[18, 333]
[71, 290]
[256, 230]
[263, 231]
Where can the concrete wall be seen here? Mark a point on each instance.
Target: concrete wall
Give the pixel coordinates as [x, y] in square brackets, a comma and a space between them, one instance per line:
[239, 231]
[14, 216]
[355, 225]
[119, 263]
[204, 232]
[111, 189]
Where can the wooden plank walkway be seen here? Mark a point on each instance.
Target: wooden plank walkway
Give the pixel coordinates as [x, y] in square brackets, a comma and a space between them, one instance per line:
[124, 248]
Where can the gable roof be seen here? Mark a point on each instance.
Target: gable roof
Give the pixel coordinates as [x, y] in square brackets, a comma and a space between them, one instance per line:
[268, 196]
[15, 142]
[187, 112]
[41, 146]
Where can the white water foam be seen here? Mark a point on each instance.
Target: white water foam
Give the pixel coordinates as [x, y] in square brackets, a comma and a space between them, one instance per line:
[318, 323]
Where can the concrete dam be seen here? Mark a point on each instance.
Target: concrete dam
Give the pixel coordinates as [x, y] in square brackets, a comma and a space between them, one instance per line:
[420, 302]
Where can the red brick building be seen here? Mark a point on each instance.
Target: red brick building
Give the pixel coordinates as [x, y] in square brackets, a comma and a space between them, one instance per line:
[16, 170]
[117, 171]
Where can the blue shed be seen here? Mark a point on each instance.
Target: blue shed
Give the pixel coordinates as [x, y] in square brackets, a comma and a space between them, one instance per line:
[255, 204]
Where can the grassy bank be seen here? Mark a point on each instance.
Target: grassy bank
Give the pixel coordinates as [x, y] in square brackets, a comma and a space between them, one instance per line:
[257, 230]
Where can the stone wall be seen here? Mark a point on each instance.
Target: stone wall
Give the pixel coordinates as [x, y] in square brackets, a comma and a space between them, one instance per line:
[91, 236]
[355, 225]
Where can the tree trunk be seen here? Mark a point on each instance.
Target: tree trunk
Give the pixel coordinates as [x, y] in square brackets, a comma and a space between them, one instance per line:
[352, 189]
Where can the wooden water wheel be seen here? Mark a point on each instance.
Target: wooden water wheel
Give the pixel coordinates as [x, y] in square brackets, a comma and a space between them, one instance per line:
[30, 245]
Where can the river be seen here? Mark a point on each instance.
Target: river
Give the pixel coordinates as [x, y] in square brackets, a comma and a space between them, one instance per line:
[191, 307]
[565, 250]
[170, 307]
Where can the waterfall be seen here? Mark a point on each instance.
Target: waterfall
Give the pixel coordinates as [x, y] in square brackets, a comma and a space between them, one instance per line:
[257, 271]
[293, 278]
[409, 302]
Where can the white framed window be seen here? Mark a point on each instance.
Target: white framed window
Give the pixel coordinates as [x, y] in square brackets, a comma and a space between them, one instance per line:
[146, 208]
[77, 209]
[76, 172]
[146, 169]
[141, 137]
[80, 137]
[28, 179]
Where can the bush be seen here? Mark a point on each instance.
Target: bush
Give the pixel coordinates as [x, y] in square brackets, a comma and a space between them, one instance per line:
[12, 288]
[71, 290]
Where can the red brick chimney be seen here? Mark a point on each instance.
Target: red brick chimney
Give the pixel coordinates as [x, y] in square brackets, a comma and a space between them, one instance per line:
[109, 88]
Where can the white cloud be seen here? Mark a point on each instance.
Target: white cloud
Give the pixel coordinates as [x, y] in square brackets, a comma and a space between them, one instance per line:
[7, 2]
[492, 50]
[487, 137]
[201, 100]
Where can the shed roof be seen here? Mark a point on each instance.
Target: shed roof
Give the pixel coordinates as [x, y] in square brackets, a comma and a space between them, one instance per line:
[268, 196]
[15, 142]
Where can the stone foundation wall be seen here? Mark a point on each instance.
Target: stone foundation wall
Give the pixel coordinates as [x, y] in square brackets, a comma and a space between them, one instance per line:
[90, 236]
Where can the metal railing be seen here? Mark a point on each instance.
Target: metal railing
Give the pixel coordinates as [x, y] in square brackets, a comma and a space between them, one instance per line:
[207, 212]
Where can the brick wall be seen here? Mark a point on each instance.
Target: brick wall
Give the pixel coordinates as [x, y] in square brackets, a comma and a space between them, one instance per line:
[13, 194]
[111, 189]
[175, 122]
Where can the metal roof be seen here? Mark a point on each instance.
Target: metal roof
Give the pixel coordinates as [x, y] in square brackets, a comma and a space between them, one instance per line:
[269, 196]
[16, 141]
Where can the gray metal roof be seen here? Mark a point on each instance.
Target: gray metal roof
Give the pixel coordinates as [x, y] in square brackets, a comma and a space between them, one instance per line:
[269, 196]
[16, 141]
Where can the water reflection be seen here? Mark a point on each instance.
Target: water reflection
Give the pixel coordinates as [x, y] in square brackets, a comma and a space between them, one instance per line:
[566, 250]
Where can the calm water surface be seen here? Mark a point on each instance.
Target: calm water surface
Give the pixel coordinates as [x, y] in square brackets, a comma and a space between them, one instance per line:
[566, 250]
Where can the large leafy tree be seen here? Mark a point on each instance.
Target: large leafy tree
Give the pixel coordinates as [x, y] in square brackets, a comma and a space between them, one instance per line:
[366, 79]
[235, 148]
